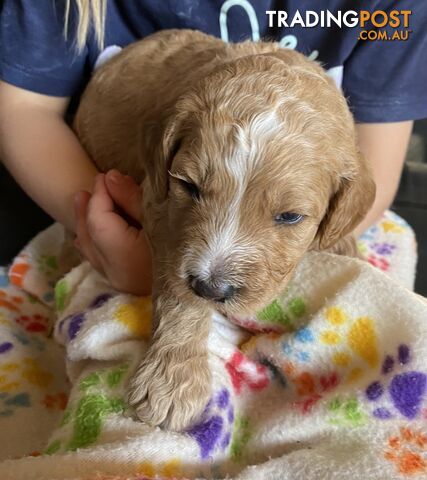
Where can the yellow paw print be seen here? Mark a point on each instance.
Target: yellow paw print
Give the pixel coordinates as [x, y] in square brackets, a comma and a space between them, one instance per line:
[136, 316]
[393, 227]
[172, 468]
[6, 383]
[351, 339]
[5, 320]
[34, 374]
[12, 374]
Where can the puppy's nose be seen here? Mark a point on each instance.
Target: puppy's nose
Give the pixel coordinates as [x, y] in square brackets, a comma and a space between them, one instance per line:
[219, 292]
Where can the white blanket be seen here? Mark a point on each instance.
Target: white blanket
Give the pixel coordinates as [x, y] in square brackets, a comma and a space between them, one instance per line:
[334, 387]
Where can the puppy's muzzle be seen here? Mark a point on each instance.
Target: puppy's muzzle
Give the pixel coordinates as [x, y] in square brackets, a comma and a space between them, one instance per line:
[216, 291]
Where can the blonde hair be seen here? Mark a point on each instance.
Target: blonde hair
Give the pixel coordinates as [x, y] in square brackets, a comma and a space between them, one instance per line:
[91, 13]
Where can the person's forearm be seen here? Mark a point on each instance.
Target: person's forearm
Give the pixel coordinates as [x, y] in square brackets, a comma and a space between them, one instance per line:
[47, 160]
[384, 145]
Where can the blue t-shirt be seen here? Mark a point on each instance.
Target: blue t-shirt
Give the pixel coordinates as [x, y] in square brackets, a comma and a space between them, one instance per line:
[384, 81]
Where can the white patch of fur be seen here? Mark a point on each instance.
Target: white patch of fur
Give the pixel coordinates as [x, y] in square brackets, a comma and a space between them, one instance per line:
[224, 242]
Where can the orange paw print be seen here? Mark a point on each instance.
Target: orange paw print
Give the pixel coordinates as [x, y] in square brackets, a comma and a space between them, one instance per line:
[408, 451]
[33, 323]
[18, 271]
[311, 388]
[10, 302]
[57, 401]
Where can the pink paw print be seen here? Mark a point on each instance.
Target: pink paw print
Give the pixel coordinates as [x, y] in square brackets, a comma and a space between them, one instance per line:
[379, 262]
[33, 323]
[244, 371]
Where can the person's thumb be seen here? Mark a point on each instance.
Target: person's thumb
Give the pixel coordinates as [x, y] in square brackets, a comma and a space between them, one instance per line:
[125, 193]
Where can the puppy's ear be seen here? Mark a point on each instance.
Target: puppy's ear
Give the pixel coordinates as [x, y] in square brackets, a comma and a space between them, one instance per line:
[348, 206]
[169, 147]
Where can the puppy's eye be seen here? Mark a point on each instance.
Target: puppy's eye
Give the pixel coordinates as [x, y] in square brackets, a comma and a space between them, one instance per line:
[288, 218]
[191, 189]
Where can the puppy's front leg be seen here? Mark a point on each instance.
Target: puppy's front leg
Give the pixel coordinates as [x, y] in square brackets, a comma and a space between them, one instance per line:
[172, 385]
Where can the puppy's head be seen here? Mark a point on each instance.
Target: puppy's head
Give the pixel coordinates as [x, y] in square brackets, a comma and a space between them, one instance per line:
[260, 165]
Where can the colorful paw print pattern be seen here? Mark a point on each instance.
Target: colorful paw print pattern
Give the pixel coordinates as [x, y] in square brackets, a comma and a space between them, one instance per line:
[378, 254]
[134, 316]
[11, 402]
[33, 323]
[47, 265]
[401, 394]
[55, 401]
[242, 434]
[19, 270]
[408, 452]
[71, 325]
[245, 374]
[213, 431]
[354, 342]
[295, 348]
[62, 295]
[308, 388]
[11, 303]
[390, 246]
[100, 395]
[346, 412]
[172, 469]
[4, 278]
[14, 375]
[283, 313]
[15, 379]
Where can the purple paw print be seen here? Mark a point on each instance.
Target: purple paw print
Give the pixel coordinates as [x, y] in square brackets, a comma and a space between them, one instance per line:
[384, 248]
[100, 300]
[215, 427]
[406, 391]
[73, 325]
[5, 347]
[75, 322]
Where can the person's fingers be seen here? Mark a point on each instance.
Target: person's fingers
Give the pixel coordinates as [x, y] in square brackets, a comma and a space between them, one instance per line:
[100, 212]
[83, 241]
[125, 193]
[101, 201]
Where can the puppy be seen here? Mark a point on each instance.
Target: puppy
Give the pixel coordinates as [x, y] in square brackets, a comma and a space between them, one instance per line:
[247, 158]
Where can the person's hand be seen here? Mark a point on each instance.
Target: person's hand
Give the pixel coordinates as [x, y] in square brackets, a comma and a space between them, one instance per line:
[109, 234]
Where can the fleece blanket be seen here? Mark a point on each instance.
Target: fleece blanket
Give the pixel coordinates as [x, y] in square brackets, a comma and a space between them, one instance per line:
[327, 382]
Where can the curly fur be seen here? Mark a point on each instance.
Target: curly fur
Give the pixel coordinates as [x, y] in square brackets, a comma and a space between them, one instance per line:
[260, 130]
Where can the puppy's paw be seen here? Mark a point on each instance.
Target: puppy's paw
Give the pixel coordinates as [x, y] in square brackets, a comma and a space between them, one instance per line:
[169, 390]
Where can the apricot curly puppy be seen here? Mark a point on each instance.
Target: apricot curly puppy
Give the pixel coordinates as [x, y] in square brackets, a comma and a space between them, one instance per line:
[247, 157]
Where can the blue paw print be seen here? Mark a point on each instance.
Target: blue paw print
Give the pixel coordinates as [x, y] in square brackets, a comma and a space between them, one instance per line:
[4, 278]
[292, 347]
[406, 391]
[369, 234]
[30, 341]
[215, 427]
[8, 403]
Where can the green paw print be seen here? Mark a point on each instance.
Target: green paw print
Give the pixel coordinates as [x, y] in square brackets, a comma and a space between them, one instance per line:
[346, 413]
[283, 313]
[61, 295]
[99, 399]
[240, 438]
[47, 264]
